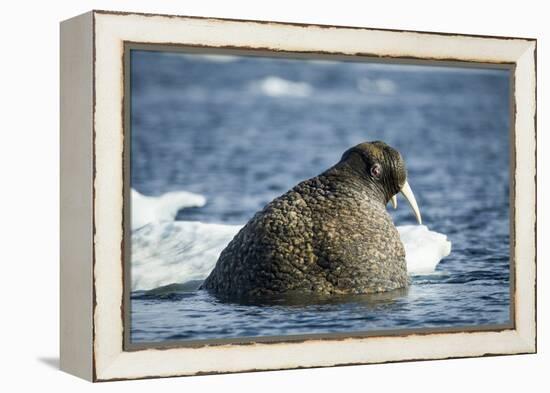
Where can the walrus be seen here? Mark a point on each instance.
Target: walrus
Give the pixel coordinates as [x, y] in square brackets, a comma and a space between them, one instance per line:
[330, 234]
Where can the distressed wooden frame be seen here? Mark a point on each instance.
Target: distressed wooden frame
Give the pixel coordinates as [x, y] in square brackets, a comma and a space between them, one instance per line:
[92, 194]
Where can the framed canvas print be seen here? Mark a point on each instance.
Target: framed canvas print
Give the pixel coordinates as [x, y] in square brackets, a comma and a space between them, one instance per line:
[244, 195]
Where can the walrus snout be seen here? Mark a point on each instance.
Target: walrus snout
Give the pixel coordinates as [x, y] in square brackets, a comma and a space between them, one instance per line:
[406, 191]
[384, 169]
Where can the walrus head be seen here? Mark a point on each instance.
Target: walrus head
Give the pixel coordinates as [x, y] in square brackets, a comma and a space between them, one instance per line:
[383, 169]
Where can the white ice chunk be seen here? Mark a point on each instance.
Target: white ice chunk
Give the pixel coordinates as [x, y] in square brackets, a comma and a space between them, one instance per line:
[176, 252]
[274, 86]
[147, 209]
[423, 248]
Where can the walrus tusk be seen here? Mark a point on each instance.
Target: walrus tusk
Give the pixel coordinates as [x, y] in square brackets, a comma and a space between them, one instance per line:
[394, 201]
[409, 196]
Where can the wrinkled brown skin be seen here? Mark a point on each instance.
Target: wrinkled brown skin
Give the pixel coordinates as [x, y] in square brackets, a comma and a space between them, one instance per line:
[328, 235]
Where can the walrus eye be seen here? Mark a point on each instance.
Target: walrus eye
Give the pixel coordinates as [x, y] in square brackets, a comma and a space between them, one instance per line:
[376, 170]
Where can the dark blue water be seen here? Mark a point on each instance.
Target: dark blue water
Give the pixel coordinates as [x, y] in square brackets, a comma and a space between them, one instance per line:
[230, 131]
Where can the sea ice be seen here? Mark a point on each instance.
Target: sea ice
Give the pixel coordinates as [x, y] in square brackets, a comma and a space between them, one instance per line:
[147, 209]
[165, 251]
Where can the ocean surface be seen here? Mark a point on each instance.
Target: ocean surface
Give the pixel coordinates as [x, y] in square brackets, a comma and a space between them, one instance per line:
[239, 131]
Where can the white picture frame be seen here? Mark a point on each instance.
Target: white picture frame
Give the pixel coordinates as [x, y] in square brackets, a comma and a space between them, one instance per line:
[93, 194]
